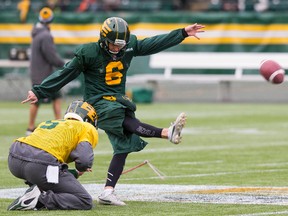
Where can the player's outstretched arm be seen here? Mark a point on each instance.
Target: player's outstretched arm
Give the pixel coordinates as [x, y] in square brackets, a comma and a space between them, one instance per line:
[192, 30]
[30, 97]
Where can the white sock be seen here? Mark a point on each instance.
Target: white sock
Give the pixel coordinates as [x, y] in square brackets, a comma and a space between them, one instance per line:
[170, 132]
[108, 191]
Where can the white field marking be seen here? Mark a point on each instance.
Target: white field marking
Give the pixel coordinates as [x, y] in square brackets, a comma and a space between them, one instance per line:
[199, 162]
[272, 164]
[223, 131]
[195, 148]
[199, 147]
[124, 179]
[225, 173]
[263, 213]
[176, 149]
[184, 193]
[9, 122]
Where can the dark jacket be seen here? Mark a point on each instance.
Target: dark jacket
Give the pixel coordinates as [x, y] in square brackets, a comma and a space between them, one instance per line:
[44, 56]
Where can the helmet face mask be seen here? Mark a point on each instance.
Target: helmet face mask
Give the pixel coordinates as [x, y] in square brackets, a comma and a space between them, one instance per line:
[115, 48]
[120, 43]
[115, 30]
[81, 111]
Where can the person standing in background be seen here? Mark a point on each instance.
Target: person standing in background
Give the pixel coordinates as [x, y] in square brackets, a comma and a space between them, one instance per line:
[44, 58]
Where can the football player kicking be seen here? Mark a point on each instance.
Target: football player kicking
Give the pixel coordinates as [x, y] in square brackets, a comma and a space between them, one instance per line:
[41, 160]
[104, 65]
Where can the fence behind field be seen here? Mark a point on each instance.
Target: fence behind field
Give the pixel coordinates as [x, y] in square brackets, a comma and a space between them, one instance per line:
[14, 86]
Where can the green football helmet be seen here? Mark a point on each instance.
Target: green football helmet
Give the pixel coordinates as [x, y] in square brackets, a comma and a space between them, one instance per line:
[81, 111]
[115, 30]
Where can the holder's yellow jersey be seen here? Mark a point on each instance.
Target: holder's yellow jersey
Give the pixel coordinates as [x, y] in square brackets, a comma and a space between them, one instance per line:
[61, 137]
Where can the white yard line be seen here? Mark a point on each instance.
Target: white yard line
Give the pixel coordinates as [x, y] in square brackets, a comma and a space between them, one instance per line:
[199, 162]
[263, 213]
[125, 179]
[185, 194]
[209, 174]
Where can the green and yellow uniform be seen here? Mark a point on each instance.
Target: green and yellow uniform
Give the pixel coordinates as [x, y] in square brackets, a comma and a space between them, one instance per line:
[105, 81]
[54, 138]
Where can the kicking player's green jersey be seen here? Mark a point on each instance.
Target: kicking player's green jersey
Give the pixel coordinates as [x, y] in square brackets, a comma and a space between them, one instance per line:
[105, 77]
[54, 138]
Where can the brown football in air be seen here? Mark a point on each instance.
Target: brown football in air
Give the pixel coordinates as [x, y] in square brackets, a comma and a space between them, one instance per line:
[272, 71]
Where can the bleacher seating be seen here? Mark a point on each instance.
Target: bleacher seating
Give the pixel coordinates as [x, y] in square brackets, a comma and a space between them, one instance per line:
[125, 5]
[145, 5]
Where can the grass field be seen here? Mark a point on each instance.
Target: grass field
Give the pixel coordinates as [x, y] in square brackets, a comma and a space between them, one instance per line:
[235, 155]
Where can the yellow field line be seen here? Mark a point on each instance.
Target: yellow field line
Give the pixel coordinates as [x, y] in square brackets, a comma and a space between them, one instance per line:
[241, 190]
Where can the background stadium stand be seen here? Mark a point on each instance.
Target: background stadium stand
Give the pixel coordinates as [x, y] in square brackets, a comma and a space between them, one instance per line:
[15, 81]
[152, 5]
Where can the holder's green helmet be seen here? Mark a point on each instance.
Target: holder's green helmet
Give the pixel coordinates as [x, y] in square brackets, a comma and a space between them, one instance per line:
[115, 30]
[82, 111]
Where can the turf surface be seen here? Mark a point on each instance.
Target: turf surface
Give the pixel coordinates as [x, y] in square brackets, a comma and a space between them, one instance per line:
[241, 145]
